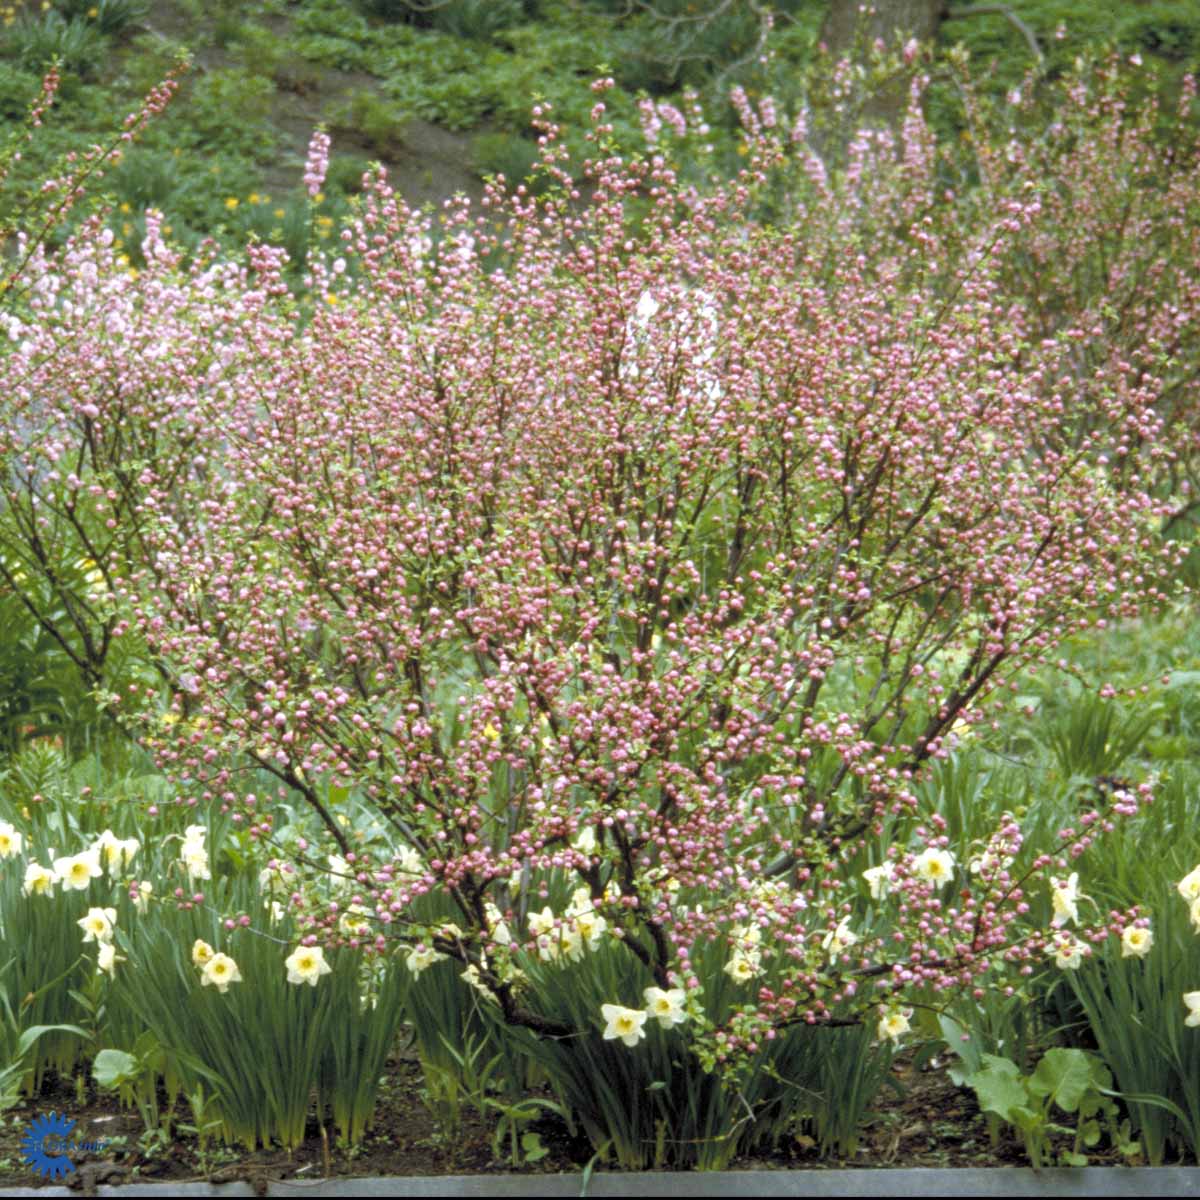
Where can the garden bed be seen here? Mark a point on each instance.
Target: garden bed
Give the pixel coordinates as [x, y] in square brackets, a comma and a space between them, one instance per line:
[926, 1129]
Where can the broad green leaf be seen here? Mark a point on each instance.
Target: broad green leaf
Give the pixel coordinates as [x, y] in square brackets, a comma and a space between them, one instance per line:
[113, 1068]
[1065, 1075]
[999, 1087]
[970, 1058]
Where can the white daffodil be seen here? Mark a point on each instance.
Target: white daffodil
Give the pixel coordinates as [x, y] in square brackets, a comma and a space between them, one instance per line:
[11, 841]
[128, 849]
[202, 953]
[196, 865]
[75, 874]
[220, 971]
[1192, 1000]
[628, 1024]
[1064, 897]
[568, 943]
[585, 841]
[353, 922]
[98, 924]
[341, 874]
[107, 959]
[193, 839]
[741, 968]
[666, 1007]
[1068, 952]
[543, 922]
[1189, 885]
[421, 957]
[746, 937]
[590, 927]
[894, 1024]
[408, 862]
[274, 880]
[193, 854]
[39, 881]
[880, 879]
[145, 890]
[551, 940]
[1136, 942]
[839, 939]
[993, 860]
[306, 964]
[1194, 914]
[472, 976]
[934, 866]
[500, 932]
[115, 852]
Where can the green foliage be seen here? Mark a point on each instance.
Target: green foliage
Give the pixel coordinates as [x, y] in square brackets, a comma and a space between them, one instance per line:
[219, 94]
[16, 1042]
[1132, 1006]
[345, 174]
[478, 20]
[35, 990]
[656, 1104]
[376, 120]
[36, 41]
[149, 178]
[504, 154]
[473, 66]
[17, 87]
[1071, 1081]
[251, 1058]
[134, 1075]
[1167, 28]
[474, 20]
[111, 17]
[38, 693]
[332, 33]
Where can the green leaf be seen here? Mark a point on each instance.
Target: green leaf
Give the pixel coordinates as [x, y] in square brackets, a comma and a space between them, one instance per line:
[1028, 1120]
[113, 1068]
[969, 1057]
[1065, 1075]
[999, 1087]
[532, 1145]
[34, 1032]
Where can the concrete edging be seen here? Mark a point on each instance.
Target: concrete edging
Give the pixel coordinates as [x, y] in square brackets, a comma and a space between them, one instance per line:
[975, 1182]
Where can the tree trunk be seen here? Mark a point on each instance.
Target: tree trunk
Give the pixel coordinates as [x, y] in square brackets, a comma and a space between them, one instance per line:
[847, 33]
[887, 20]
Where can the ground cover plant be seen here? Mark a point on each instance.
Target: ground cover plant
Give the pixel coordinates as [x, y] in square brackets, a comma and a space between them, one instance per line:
[650, 641]
[389, 79]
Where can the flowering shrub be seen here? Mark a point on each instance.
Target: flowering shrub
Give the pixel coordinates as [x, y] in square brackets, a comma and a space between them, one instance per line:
[630, 561]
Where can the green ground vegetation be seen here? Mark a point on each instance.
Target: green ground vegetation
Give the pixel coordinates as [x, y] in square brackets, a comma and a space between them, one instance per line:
[226, 160]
